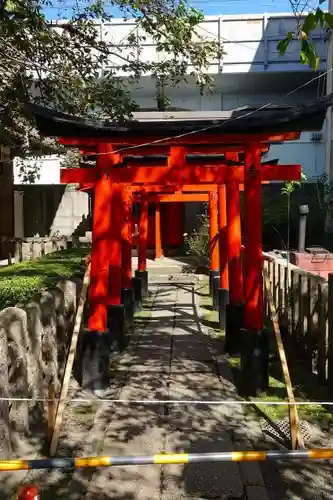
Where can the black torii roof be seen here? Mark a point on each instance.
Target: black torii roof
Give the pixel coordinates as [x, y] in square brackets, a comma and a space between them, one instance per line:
[247, 120]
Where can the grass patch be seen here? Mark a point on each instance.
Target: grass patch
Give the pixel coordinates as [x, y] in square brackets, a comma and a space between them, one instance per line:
[210, 316]
[20, 281]
[306, 386]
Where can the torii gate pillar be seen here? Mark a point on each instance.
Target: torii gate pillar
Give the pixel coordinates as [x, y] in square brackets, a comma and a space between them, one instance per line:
[223, 290]
[116, 310]
[254, 346]
[96, 343]
[142, 272]
[127, 282]
[235, 308]
[214, 273]
[158, 238]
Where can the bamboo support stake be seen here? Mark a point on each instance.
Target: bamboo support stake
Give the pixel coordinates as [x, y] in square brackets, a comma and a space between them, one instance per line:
[51, 409]
[69, 363]
[296, 438]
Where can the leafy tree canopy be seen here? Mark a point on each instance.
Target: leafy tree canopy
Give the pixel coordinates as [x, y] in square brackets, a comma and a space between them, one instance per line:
[305, 26]
[60, 64]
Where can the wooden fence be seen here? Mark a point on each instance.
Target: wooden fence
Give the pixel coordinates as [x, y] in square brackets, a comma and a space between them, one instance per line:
[302, 302]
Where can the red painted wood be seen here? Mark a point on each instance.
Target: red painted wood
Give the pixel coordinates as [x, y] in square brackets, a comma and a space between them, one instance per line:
[222, 238]
[196, 138]
[127, 242]
[169, 189]
[234, 238]
[190, 174]
[190, 149]
[143, 236]
[177, 157]
[176, 197]
[253, 286]
[100, 252]
[213, 231]
[158, 236]
[173, 224]
[115, 245]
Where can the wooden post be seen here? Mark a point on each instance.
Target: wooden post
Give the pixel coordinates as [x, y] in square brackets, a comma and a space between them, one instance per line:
[322, 333]
[213, 231]
[330, 333]
[143, 235]
[127, 242]
[253, 314]
[234, 239]
[115, 245]
[254, 345]
[223, 246]
[100, 246]
[141, 273]
[158, 239]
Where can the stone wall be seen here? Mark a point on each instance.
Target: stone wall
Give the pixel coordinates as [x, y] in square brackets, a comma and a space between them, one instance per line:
[22, 249]
[34, 338]
[50, 209]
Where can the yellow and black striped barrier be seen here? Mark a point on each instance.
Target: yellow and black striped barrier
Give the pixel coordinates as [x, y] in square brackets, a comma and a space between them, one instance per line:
[162, 459]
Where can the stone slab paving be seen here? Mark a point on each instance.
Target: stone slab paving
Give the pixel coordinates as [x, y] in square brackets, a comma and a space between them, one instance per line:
[174, 357]
[171, 360]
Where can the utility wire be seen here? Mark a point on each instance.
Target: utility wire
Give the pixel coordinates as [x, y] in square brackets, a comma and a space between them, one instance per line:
[217, 125]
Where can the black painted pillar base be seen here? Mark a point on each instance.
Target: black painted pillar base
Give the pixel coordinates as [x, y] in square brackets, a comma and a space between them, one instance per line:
[254, 361]
[212, 274]
[143, 275]
[222, 301]
[137, 289]
[234, 322]
[127, 298]
[215, 288]
[116, 325]
[93, 359]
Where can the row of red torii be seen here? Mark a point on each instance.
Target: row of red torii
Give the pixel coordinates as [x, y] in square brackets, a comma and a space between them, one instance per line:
[116, 187]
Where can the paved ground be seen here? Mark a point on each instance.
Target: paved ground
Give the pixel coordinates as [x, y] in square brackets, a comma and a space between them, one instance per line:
[172, 356]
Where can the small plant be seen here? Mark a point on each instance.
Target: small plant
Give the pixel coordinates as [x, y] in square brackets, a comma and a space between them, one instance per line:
[198, 242]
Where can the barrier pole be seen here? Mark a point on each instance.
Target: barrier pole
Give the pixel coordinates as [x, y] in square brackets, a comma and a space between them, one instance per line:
[165, 458]
[295, 433]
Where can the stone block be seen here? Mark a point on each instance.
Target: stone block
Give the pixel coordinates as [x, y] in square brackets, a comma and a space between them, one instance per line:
[5, 435]
[13, 324]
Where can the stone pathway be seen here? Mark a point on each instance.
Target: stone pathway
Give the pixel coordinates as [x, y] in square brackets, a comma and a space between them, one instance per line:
[173, 357]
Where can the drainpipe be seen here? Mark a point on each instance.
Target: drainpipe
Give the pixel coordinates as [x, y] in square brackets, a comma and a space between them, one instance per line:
[303, 213]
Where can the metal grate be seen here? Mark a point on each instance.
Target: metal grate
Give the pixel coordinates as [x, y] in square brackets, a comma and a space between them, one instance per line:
[280, 429]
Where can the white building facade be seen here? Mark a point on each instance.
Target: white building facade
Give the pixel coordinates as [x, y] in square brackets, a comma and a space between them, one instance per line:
[251, 73]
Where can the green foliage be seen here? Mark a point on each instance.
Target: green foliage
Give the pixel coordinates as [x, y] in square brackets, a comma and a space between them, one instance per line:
[289, 187]
[20, 281]
[60, 65]
[308, 54]
[198, 241]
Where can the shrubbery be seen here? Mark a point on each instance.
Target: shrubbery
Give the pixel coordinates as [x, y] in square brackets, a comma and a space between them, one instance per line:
[20, 281]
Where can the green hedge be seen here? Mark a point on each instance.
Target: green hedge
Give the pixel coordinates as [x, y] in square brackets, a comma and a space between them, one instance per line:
[20, 281]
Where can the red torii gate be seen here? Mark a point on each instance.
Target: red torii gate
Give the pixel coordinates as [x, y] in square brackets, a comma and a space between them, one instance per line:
[111, 182]
[235, 131]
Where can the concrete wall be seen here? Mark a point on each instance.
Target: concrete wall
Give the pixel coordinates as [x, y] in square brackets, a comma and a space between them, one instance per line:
[52, 209]
[48, 168]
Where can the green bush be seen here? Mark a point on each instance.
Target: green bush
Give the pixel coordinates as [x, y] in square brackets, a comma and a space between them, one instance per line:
[20, 282]
[198, 242]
